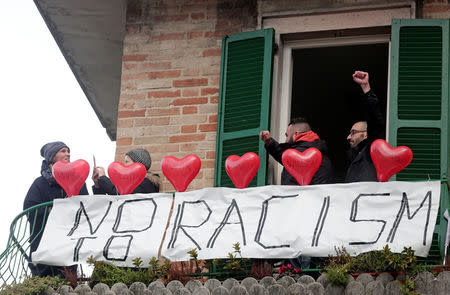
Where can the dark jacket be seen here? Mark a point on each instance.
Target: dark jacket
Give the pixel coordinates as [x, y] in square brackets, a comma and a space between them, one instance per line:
[361, 167]
[107, 187]
[41, 191]
[44, 189]
[323, 175]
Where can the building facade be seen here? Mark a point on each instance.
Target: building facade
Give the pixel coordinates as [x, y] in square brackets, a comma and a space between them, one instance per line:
[171, 66]
[204, 77]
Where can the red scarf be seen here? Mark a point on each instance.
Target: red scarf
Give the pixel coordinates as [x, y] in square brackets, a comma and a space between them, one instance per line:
[307, 136]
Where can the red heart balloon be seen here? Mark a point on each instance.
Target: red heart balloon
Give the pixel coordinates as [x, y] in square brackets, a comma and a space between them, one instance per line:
[126, 178]
[71, 176]
[180, 172]
[241, 170]
[389, 160]
[302, 165]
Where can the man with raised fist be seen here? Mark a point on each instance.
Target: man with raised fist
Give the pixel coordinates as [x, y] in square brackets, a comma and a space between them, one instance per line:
[363, 133]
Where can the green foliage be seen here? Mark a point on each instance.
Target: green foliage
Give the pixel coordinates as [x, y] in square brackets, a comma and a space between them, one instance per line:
[158, 271]
[338, 275]
[342, 257]
[137, 262]
[339, 266]
[234, 261]
[233, 266]
[111, 274]
[373, 261]
[194, 256]
[407, 287]
[193, 253]
[404, 261]
[33, 286]
[209, 263]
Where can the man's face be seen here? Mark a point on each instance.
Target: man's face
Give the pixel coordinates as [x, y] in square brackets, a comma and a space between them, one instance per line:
[357, 134]
[128, 160]
[62, 155]
[289, 134]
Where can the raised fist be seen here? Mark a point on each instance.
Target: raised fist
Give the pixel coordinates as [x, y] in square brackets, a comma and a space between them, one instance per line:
[265, 136]
[362, 78]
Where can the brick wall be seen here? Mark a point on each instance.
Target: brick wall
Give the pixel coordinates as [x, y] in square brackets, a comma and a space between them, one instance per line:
[436, 9]
[170, 78]
[274, 6]
[424, 8]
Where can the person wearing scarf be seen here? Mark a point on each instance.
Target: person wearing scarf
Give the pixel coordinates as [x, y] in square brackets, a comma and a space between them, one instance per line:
[45, 189]
[299, 136]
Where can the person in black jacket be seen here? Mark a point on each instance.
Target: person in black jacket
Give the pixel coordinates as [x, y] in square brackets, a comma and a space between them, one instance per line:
[299, 136]
[45, 189]
[103, 185]
[363, 133]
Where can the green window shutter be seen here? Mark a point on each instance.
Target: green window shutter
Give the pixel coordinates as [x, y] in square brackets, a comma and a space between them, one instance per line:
[419, 106]
[244, 100]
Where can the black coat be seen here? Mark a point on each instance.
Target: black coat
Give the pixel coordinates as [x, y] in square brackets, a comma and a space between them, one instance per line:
[41, 191]
[323, 175]
[361, 167]
[107, 187]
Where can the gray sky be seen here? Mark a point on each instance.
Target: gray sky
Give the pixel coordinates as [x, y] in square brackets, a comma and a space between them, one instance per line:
[41, 101]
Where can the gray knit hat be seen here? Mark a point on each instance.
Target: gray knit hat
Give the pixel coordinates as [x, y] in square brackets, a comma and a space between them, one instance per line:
[140, 156]
[49, 150]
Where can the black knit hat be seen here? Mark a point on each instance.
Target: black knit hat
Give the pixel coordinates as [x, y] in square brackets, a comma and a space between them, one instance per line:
[140, 156]
[49, 150]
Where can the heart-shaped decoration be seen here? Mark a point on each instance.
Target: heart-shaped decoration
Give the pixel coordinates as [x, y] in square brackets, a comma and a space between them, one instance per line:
[241, 170]
[302, 165]
[180, 172]
[389, 160]
[71, 176]
[126, 178]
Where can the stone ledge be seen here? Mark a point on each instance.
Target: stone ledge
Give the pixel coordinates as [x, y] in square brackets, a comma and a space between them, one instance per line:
[426, 283]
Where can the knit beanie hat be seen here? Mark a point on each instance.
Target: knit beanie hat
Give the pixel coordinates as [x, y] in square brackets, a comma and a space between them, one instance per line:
[140, 156]
[49, 150]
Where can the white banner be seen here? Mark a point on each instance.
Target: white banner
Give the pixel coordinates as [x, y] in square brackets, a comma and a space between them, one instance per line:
[108, 228]
[268, 222]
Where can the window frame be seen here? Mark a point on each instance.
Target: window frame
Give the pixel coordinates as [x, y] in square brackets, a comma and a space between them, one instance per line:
[281, 100]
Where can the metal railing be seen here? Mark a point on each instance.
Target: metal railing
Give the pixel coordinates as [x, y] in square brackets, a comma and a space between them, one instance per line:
[24, 230]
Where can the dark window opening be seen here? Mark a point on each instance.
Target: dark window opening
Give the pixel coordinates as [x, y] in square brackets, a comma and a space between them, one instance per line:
[323, 91]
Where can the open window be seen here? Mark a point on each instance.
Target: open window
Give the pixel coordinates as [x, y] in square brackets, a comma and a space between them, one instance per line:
[323, 91]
